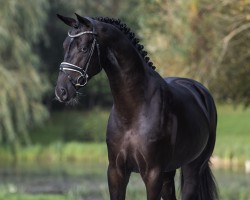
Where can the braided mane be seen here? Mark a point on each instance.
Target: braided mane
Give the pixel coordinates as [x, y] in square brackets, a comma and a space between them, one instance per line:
[131, 36]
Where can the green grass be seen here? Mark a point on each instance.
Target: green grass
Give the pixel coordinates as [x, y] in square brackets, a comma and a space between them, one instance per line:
[21, 196]
[233, 132]
[9, 192]
[57, 153]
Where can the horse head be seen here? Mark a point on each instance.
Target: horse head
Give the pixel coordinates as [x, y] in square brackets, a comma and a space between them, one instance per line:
[81, 57]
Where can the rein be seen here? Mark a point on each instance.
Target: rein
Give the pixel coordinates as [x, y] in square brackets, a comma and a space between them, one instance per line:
[82, 79]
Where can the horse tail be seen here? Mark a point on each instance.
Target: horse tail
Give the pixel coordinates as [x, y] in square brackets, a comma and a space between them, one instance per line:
[208, 188]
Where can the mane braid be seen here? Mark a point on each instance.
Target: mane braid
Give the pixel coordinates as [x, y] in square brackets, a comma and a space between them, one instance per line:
[131, 36]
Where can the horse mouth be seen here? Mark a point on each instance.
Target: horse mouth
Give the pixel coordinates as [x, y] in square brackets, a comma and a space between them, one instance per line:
[74, 100]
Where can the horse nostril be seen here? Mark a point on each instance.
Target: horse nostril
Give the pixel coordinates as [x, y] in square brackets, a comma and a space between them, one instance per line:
[63, 91]
[63, 94]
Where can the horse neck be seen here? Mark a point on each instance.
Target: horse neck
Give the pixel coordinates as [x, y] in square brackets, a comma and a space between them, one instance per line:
[128, 77]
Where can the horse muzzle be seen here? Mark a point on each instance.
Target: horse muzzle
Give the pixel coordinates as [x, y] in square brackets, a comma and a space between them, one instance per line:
[65, 93]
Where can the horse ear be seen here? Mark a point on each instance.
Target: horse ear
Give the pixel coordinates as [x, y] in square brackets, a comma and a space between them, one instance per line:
[69, 21]
[84, 20]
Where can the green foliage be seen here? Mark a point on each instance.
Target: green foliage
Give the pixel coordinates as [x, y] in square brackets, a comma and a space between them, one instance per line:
[73, 126]
[203, 39]
[90, 127]
[22, 86]
[234, 70]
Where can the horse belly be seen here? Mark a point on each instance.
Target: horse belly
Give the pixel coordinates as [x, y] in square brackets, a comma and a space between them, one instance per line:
[187, 147]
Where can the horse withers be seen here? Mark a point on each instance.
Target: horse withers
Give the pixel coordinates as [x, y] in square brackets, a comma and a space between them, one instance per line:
[156, 124]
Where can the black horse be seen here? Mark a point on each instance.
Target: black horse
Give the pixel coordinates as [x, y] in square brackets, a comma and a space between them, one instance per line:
[156, 125]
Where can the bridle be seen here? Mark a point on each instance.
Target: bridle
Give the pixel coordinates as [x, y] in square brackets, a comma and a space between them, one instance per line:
[82, 79]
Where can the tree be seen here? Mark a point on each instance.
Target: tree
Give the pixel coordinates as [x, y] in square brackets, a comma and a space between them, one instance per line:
[204, 39]
[22, 84]
[233, 73]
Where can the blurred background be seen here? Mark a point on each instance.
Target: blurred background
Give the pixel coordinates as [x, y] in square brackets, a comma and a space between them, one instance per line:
[52, 151]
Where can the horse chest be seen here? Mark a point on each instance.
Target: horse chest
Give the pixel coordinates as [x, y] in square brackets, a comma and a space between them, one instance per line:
[131, 150]
[134, 144]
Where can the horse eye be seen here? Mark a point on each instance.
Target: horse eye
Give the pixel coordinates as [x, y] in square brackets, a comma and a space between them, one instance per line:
[83, 49]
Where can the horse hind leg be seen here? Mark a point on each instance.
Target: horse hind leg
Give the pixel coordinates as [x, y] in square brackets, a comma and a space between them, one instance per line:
[168, 186]
[197, 184]
[189, 182]
[197, 181]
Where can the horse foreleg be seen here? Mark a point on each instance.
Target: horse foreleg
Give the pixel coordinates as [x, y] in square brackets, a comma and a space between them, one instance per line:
[117, 182]
[168, 186]
[153, 182]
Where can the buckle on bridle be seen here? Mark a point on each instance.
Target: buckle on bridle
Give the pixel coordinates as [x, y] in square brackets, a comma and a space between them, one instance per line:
[84, 82]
